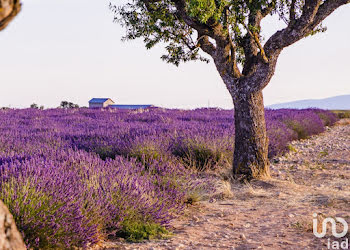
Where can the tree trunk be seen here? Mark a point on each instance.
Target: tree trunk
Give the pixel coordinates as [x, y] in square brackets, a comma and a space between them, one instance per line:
[10, 237]
[8, 10]
[251, 142]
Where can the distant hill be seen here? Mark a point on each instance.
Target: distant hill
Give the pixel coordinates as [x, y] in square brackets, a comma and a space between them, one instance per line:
[336, 102]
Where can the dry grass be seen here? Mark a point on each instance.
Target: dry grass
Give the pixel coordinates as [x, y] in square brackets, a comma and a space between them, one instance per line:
[343, 122]
[342, 113]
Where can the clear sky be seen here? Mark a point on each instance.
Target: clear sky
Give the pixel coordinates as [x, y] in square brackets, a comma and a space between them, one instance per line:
[71, 50]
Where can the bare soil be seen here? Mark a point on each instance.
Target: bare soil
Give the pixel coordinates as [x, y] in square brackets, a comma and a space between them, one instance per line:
[276, 213]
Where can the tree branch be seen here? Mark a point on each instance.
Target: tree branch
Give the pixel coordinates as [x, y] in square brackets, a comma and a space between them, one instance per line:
[256, 39]
[268, 9]
[8, 10]
[236, 72]
[295, 30]
[292, 11]
[314, 12]
[249, 43]
[325, 10]
[206, 45]
[213, 30]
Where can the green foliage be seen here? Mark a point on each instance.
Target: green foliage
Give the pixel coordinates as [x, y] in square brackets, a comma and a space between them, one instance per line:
[291, 148]
[159, 22]
[325, 118]
[341, 114]
[145, 154]
[200, 155]
[324, 153]
[105, 152]
[34, 106]
[203, 10]
[298, 128]
[66, 105]
[138, 230]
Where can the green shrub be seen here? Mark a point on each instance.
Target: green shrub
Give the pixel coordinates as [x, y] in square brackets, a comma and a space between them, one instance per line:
[137, 230]
[342, 113]
[199, 155]
[325, 118]
[192, 198]
[105, 152]
[145, 154]
[298, 128]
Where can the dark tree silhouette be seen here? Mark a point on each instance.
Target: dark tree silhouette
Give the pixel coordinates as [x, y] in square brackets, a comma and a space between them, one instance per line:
[34, 106]
[8, 10]
[68, 105]
[230, 33]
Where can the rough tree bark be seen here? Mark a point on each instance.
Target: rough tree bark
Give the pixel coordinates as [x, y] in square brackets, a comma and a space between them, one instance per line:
[10, 238]
[8, 10]
[251, 142]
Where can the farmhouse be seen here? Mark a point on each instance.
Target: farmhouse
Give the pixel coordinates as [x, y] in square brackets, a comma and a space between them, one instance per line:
[126, 106]
[109, 103]
[100, 102]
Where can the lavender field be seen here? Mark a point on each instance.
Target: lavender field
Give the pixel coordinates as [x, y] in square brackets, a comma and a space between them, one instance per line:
[73, 177]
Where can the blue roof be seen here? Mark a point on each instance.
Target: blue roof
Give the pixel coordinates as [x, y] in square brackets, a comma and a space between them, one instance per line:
[98, 100]
[130, 106]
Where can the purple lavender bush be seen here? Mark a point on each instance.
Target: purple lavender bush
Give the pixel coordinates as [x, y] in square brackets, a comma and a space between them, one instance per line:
[75, 177]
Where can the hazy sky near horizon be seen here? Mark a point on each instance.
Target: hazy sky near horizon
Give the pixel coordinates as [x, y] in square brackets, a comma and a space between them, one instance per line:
[72, 50]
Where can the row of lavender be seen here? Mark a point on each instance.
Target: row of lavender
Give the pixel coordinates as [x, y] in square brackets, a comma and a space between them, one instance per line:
[73, 177]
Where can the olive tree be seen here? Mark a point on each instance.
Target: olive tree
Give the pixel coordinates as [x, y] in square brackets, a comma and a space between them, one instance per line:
[230, 32]
[8, 10]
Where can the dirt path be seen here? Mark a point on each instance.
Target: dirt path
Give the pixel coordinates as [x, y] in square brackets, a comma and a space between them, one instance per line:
[276, 213]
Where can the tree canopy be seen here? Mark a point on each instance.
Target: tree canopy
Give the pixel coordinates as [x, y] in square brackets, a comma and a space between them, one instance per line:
[230, 28]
